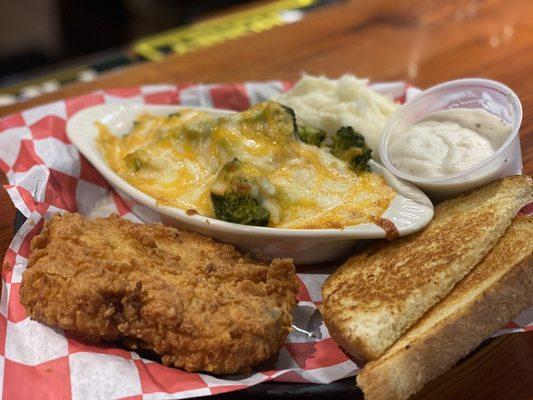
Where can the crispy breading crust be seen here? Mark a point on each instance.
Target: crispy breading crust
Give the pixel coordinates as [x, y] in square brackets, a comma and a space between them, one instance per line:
[199, 304]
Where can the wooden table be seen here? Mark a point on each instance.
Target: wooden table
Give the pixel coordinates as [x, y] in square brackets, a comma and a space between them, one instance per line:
[421, 41]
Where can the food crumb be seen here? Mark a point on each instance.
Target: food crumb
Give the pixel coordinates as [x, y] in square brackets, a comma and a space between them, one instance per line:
[391, 232]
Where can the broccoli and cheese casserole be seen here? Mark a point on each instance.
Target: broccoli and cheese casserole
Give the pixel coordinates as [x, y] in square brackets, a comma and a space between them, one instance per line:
[256, 167]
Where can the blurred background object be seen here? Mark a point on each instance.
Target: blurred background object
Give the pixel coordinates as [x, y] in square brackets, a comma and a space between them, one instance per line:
[48, 43]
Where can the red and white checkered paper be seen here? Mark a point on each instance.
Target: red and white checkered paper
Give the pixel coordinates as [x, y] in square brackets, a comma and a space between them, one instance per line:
[47, 175]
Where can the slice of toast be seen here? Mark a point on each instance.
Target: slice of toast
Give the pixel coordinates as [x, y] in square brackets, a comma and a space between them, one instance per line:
[376, 296]
[494, 292]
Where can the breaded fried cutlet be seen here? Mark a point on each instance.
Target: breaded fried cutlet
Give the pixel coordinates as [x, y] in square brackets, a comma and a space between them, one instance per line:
[199, 304]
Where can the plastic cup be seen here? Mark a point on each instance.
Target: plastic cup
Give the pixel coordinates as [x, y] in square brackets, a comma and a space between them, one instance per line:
[492, 96]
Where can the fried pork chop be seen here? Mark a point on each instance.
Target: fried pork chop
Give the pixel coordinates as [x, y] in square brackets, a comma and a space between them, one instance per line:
[199, 304]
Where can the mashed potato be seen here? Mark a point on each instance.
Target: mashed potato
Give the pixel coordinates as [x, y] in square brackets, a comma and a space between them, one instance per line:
[328, 104]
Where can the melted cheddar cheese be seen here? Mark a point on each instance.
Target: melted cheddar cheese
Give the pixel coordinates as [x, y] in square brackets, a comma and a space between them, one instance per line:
[177, 159]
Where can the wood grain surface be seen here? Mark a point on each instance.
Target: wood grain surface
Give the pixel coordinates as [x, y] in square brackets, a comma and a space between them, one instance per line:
[421, 41]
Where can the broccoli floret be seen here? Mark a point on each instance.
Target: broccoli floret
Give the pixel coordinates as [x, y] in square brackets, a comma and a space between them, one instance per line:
[136, 160]
[311, 135]
[345, 139]
[132, 162]
[360, 162]
[239, 208]
[292, 116]
[350, 146]
[271, 119]
[235, 195]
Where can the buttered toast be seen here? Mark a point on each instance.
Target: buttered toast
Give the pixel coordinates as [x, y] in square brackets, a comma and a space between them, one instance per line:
[494, 292]
[376, 296]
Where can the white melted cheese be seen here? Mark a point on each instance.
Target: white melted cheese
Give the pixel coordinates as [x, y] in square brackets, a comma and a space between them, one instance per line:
[302, 186]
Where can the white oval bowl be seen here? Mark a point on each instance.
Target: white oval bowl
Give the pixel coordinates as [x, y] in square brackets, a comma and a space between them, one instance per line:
[410, 210]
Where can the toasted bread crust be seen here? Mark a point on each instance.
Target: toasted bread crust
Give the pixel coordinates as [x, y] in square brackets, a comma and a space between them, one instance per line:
[375, 297]
[485, 300]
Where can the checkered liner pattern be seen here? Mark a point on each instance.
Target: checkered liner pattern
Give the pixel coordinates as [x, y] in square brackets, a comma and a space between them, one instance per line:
[47, 175]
